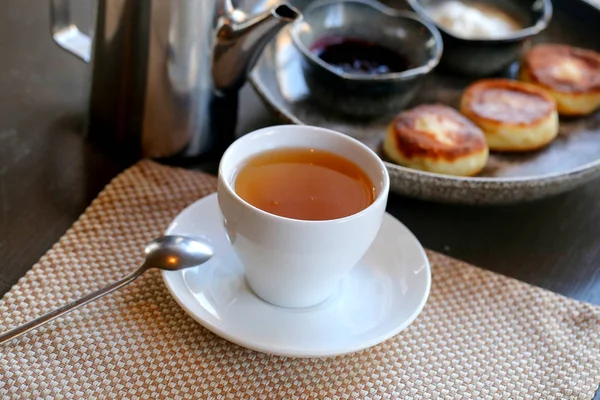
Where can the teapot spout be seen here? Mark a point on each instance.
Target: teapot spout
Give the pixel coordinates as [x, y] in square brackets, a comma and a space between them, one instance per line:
[238, 45]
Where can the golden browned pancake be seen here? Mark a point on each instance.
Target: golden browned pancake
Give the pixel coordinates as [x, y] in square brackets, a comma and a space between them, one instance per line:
[436, 138]
[571, 75]
[515, 116]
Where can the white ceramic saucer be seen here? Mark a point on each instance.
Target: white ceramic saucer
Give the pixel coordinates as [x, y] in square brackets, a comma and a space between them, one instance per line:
[380, 297]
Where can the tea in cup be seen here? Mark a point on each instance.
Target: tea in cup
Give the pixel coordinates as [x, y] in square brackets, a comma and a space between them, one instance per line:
[301, 205]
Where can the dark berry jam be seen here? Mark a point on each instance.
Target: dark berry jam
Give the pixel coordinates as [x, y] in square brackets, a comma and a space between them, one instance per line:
[358, 56]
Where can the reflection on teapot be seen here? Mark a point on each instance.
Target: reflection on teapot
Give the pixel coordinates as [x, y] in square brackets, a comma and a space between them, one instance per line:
[166, 73]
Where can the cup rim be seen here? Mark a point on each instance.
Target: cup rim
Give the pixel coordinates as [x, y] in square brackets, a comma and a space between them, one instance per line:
[423, 69]
[535, 28]
[381, 196]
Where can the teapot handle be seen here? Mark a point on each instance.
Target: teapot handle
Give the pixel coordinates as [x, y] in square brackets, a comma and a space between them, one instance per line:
[66, 34]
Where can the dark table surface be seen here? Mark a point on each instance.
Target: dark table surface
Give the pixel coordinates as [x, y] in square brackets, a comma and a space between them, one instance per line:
[49, 174]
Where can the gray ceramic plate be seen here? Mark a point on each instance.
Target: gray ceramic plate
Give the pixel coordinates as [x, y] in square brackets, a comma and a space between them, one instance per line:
[571, 160]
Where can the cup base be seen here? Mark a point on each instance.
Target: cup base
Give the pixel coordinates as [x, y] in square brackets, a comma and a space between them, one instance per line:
[332, 297]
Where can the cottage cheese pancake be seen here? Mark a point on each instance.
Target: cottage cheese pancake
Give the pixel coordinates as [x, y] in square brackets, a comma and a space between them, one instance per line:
[571, 75]
[514, 116]
[436, 138]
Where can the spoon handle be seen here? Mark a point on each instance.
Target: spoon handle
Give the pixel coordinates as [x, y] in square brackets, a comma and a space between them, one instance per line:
[18, 331]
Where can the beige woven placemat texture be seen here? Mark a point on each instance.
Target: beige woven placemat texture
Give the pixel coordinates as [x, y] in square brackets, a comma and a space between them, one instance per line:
[480, 336]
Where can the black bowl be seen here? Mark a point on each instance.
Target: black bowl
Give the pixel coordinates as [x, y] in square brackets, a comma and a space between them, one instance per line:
[362, 95]
[484, 57]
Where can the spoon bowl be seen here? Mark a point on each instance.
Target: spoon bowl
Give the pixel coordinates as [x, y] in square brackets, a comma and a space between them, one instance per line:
[172, 253]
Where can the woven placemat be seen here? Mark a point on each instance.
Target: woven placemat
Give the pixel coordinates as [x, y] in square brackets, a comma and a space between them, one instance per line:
[480, 336]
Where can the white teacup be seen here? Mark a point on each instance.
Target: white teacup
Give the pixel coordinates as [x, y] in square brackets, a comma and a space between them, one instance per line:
[290, 262]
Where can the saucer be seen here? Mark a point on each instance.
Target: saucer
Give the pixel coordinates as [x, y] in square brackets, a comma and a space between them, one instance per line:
[381, 296]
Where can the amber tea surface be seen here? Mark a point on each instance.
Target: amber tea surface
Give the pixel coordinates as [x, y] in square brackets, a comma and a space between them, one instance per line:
[304, 183]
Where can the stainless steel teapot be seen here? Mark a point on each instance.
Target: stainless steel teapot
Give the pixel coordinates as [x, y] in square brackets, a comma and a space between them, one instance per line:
[166, 73]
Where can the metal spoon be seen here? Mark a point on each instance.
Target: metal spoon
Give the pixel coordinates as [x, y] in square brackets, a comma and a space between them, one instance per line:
[170, 253]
